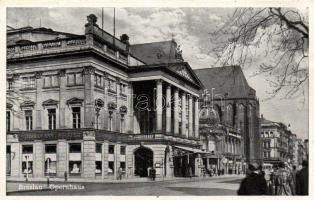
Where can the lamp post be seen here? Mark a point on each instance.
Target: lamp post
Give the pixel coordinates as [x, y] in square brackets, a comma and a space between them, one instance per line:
[26, 158]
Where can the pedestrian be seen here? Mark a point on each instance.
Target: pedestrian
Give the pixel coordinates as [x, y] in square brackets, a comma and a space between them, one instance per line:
[120, 172]
[293, 174]
[283, 181]
[190, 171]
[65, 176]
[253, 183]
[302, 179]
[153, 173]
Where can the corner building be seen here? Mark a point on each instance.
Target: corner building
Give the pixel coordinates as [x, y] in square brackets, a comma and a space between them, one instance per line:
[90, 104]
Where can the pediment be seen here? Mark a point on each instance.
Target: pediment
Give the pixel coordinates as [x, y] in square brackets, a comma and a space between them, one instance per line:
[50, 102]
[27, 104]
[184, 70]
[75, 100]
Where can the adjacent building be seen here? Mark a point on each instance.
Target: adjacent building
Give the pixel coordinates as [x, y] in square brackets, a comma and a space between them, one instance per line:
[230, 125]
[280, 144]
[87, 105]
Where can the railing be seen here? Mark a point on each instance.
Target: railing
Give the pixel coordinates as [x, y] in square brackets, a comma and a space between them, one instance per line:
[67, 44]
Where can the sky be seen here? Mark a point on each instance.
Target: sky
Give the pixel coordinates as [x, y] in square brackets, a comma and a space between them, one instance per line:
[189, 27]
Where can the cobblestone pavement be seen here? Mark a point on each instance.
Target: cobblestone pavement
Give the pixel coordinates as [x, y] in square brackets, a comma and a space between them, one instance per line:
[194, 186]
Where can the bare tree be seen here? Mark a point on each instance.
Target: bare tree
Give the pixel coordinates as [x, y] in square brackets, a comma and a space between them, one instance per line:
[275, 38]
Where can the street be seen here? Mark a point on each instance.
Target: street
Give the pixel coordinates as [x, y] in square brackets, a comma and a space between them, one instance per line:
[195, 186]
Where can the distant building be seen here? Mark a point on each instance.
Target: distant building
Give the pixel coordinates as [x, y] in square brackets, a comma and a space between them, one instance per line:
[236, 107]
[275, 139]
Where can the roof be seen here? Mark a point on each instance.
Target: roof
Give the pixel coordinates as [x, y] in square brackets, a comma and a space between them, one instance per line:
[156, 52]
[227, 80]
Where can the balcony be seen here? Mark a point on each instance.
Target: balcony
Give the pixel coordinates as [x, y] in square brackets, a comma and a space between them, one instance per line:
[62, 46]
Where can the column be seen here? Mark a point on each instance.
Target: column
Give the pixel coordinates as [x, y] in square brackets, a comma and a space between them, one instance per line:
[38, 159]
[89, 154]
[16, 165]
[62, 100]
[168, 109]
[159, 106]
[183, 115]
[116, 160]
[38, 106]
[61, 158]
[89, 103]
[191, 134]
[105, 159]
[196, 119]
[176, 112]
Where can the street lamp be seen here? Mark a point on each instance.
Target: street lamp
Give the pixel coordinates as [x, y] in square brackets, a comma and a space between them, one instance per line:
[26, 158]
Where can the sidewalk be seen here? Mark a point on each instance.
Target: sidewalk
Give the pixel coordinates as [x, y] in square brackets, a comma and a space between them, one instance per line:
[17, 184]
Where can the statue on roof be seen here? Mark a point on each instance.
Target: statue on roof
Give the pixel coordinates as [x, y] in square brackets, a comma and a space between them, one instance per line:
[91, 20]
[178, 53]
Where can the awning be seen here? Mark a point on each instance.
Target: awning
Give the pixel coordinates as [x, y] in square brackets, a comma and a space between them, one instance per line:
[192, 150]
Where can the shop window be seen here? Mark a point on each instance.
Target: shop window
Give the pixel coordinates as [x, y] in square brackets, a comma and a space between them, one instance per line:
[98, 167]
[111, 149]
[110, 168]
[122, 150]
[76, 116]
[27, 159]
[50, 159]
[28, 119]
[122, 165]
[75, 159]
[51, 118]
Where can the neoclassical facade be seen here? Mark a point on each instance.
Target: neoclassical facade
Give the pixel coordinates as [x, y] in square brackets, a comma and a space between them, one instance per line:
[89, 104]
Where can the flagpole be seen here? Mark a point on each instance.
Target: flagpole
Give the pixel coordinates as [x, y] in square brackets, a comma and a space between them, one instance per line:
[114, 26]
[102, 22]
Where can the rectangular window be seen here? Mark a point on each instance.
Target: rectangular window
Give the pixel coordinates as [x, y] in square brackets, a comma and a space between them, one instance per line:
[76, 116]
[98, 167]
[9, 84]
[29, 119]
[75, 79]
[51, 81]
[75, 148]
[98, 80]
[75, 158]
[111, 149]
[112, 85]
[51, 118]
[50, 159]
[122, 165]
[28, 82]
[122, 150]
[98, 148]
[8, 120]
[110, 168]
[27, 159]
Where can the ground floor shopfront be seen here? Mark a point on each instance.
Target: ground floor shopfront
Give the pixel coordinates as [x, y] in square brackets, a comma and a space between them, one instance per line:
[92, 154]
[220, 164]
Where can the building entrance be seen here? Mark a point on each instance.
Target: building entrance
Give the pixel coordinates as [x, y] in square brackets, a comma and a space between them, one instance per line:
[143, 158]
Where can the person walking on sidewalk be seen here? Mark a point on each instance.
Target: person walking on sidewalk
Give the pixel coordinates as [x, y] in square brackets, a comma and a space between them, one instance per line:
[283, 181]
[302, 179]
[254, 183]
[120, 172]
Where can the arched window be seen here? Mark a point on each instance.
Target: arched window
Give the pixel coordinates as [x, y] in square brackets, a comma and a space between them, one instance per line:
[241, 117]
[218, 110]
[229, 115]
